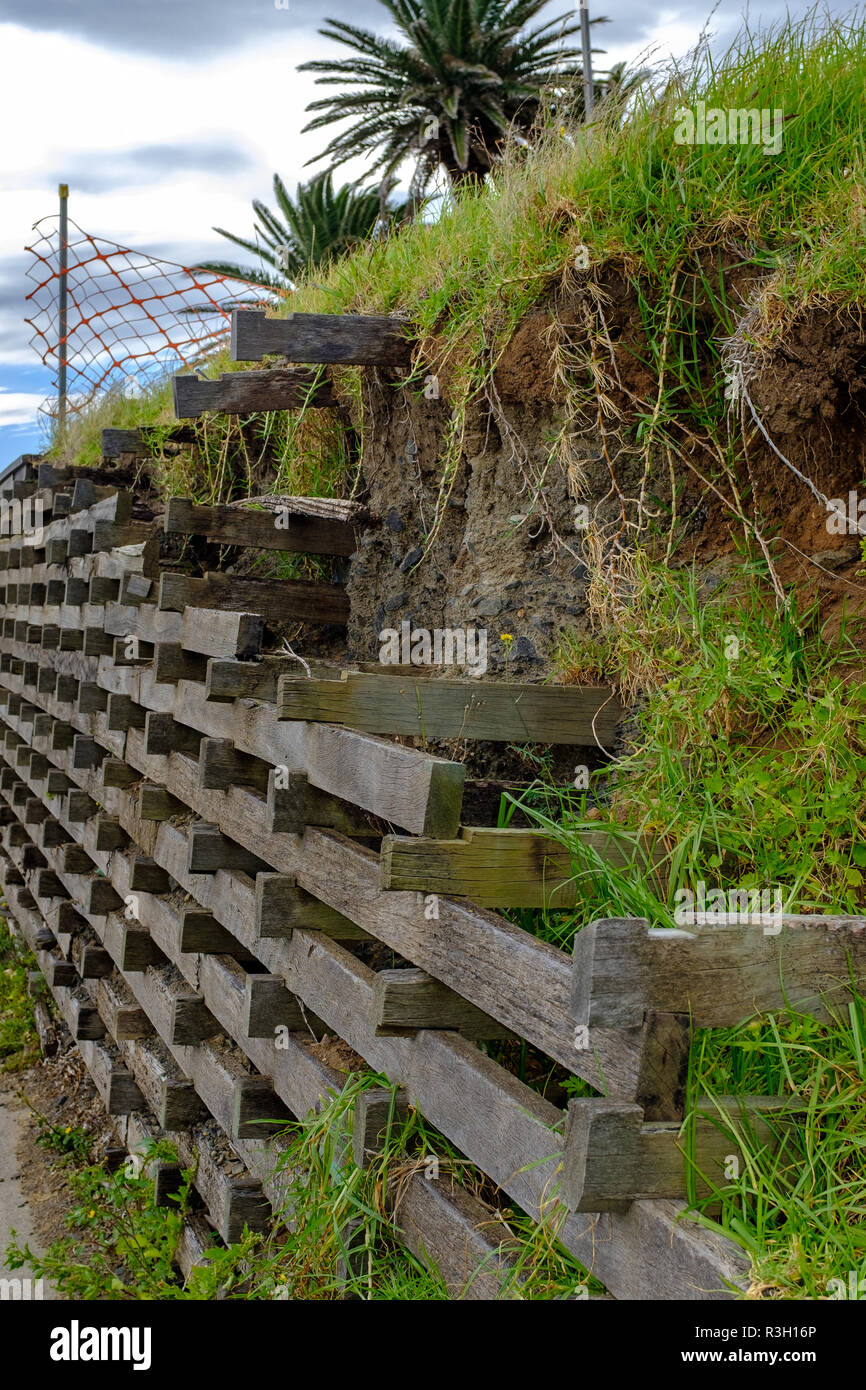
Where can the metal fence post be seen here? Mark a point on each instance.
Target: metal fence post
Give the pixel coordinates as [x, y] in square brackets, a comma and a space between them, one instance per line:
[62, 314]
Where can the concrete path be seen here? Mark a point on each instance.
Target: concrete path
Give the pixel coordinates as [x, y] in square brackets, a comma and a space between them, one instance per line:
[14, 1211]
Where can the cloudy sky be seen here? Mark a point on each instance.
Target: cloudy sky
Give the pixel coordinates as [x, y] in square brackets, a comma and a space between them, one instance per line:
[168, 117]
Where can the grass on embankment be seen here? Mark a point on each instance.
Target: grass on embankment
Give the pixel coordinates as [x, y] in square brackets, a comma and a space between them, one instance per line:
[668, 213]
[19, 1045]
[746, 766]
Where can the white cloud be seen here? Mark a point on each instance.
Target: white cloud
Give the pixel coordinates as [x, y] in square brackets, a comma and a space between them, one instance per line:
[18, 407]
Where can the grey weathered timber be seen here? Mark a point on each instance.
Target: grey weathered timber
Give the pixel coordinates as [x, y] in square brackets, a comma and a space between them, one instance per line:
[48, 885]
[62, 735]
[95, 963]
[156, 804]
[129, 651]
[611, 1157]
[86, 752]
[720, 974]
[201, 934]
[109, 534]
[116, 773]
[86, 1021]
[191, 1021]
[117, 442]
[294, 803]
[92, 699]
[102, 898]
[163, 735]
[110, 834]
[97, 642]
[257, 1110]
[282, 906]
[447, 708]
[221, 766]
[80, 807]
[376, 1112]
[289, 528]
[53, 833]
[146, 876]
[498, 868]
[408, 999]
[245, 680]
[102, 589]
[123, 1017]
[210, 850]
[124, 713]
[63, 974]
[242, 393]
[277, 600]
[209, 632]
[66, 689]
[172, 664]
[366, 340]
[138, 951]
[268, 1005]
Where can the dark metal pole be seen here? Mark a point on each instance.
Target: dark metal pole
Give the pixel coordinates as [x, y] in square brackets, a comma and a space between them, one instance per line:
[588, 95]
[62, 315]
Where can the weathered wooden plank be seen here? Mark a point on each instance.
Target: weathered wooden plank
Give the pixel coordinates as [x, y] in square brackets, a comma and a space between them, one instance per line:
[146, 876]
[405, 1000]
[288, 529]
[210, 850]
[116, 442]
[163, 734]
[282, 907]
[363, 339]
[242, 393]
[172, 664]
[222, 766]
[209, 632]
[277, 600]
[293, 803]
[470, 950]
[201, 934]
[611, 1157]
[191, 1021]
[138, 951]
[245, 680]
[416, 790]
[679, 1260]
[497, 868]
[720, 974]
[269, 1006]
[257, 1110]
[493, 710]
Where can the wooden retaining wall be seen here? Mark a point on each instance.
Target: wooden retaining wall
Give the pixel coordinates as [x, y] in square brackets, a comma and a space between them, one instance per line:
[197, 836]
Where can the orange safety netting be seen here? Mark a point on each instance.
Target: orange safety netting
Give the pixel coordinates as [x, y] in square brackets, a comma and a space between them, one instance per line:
[131, 318]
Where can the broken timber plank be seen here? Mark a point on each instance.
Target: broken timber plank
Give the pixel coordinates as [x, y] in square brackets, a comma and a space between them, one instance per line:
[276, 600]
[363, 339]
[242, 393]
[286, 528]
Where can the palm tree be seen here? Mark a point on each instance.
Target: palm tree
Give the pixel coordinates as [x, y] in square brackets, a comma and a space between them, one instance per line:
[319, 225]
[463, 76]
